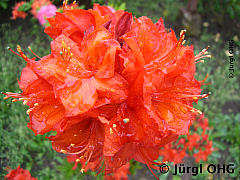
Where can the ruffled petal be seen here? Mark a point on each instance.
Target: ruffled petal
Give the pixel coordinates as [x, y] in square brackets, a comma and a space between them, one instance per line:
[27, 78]
[114, 89]
[46, 117]
[99, 51]
[72, 23]
[77, 95]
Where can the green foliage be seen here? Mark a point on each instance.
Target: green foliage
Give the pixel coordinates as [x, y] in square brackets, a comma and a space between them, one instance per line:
[169, 9]
[25, 7]
[226, 140]
[4, 4]
[68, 173]
[116, 4]
[220, 8]
[102, 2]
[134, 166]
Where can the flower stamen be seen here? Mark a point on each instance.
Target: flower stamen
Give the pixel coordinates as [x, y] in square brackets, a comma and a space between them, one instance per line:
[33, 52]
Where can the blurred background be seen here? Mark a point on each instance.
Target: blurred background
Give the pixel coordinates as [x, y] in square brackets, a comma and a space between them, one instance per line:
[209, 23]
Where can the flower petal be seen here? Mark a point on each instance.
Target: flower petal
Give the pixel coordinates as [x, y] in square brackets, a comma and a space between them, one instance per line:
[46, 117]
[114, 89]
[77, 95]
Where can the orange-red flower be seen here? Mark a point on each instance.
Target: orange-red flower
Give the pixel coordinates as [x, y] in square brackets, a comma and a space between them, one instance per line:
[203, 154]
[19, 174]
[194, 145]
[16, 13]
[114, 88]
[172, 153]
[75, 23]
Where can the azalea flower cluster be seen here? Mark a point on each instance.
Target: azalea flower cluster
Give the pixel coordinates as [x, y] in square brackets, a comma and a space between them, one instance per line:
[40, 9]
[114, 87]
[195, 145]
[18, 174]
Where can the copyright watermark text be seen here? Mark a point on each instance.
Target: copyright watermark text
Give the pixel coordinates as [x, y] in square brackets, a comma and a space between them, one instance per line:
[231, 46]
[195, 170]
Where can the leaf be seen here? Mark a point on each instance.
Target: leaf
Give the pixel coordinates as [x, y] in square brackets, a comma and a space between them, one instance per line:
[25, 7]
[220, 145]
[122, 6]
[4, 4]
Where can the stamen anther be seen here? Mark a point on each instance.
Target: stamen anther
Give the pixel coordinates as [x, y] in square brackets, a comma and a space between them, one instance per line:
[126, 120]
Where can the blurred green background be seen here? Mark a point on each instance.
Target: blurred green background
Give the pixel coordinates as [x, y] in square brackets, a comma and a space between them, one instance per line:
[211, 23]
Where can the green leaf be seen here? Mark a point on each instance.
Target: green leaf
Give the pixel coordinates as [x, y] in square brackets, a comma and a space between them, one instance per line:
[219, 145]
[25, 7]
[4, 4]
[122, 6]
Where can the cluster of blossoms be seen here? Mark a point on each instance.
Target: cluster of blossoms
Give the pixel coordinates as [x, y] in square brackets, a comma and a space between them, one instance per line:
[16, 13]
[194, 144]
[40, 9]
[114, 87]
[18, 174]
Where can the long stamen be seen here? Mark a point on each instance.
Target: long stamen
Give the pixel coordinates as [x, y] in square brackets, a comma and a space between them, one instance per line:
[156, 64]
[152, 162]
[13, 95]
[202, 54]
[100, 170]
[33, 52]
[21, 54]
[201, 61]
[157, 96]
[84, 149]
[151, 171]
[14, 52]
[193, 110]
[89, 157]
[202, 81]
